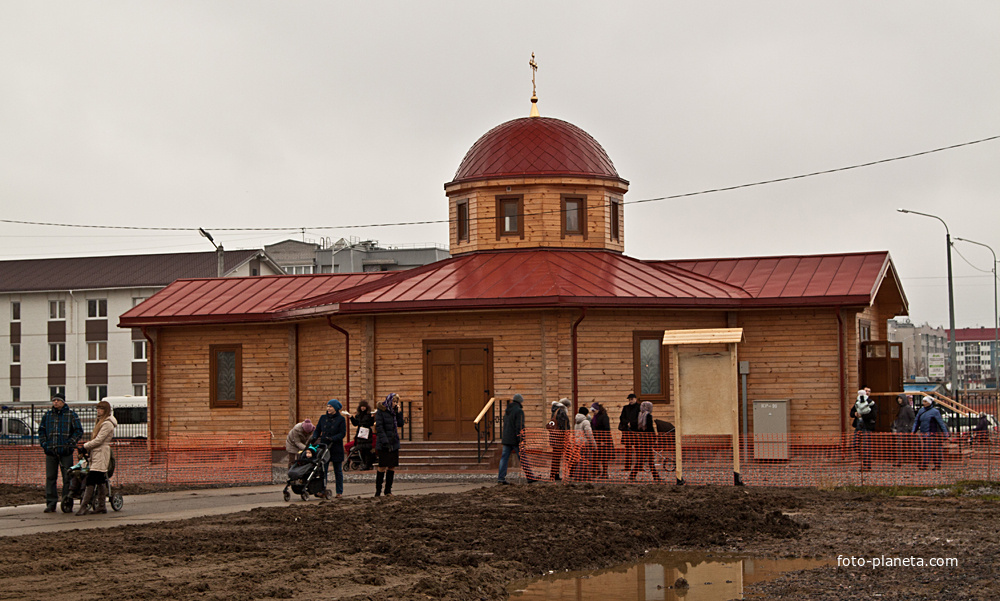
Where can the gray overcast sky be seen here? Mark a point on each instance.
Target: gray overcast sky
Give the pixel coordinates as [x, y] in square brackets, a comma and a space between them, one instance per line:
[309, 114]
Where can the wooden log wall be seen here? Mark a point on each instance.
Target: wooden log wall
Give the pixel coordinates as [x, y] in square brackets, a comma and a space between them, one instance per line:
[542, 200]
[182, 403]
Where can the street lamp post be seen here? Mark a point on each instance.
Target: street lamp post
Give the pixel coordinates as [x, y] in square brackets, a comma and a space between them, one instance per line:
[220, 254]
[996, 317]
[952, 355]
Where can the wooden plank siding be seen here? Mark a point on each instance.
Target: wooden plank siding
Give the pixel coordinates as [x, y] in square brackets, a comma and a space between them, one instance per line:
[183, 380]
[321, 370]
[542, 220]
[291, 370]
[793, 354]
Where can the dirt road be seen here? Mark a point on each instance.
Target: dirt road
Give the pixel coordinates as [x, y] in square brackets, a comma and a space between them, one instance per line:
[470, 545]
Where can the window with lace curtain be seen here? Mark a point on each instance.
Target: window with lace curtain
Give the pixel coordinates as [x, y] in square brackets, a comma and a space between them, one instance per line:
[226, 375]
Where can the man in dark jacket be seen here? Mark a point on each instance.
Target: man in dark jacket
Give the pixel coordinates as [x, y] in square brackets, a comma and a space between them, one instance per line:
[513, 425]
[58, 434]
[331, 430]
[628, 423]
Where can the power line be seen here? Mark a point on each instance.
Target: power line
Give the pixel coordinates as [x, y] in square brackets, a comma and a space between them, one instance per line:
[969, 263]
[437, 221]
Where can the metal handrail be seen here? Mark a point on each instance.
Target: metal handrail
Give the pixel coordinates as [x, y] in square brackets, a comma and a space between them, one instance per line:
[955, 405]
[486, 435]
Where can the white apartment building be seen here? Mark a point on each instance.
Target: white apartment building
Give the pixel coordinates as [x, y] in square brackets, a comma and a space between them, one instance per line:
[918, 342]
[975, 354]
[63, 334]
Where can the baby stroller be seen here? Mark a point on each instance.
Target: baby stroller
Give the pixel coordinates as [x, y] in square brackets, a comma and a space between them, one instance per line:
[307, 476]
[664, 451]
[78, 482]
[355, 460]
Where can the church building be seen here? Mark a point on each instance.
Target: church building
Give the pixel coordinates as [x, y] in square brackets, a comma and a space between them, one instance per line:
[537, 298]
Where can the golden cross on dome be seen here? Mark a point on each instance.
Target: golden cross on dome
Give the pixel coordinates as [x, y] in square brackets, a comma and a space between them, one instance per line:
[534, 97]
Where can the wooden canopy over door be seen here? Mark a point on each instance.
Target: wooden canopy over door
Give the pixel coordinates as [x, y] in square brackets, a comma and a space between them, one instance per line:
[458, 380]
[882, 371]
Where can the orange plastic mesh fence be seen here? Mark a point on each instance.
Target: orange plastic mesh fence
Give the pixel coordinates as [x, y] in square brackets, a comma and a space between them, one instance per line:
[880, 459]
[225, 459]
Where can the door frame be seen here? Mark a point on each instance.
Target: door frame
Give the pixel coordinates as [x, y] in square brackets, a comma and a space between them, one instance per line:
[427, 344]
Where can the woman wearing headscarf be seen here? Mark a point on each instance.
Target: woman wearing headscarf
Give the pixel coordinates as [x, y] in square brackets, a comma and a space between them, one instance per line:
[646, 435]
[388, 420]
[99, 447]
[298, 439]
[331, 430]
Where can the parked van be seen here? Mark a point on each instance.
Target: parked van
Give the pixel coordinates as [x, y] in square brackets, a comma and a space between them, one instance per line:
[132, 415]
[17, 429]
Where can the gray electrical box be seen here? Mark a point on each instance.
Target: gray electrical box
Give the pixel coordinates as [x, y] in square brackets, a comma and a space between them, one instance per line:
[771, 423]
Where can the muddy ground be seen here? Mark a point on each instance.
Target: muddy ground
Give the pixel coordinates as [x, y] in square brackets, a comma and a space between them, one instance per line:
[469, 546]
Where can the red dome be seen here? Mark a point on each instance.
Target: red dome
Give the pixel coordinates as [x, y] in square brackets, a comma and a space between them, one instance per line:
[535, 146]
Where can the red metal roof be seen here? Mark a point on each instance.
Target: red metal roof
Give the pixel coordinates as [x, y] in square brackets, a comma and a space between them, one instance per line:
[227, 300]
[535, 146]
[527, 278]
[855, 275]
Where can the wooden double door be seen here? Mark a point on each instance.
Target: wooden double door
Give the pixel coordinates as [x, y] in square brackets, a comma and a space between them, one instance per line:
[458, 381]
[882, 371]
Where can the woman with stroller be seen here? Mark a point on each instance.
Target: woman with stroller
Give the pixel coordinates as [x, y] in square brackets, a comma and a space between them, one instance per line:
[364, 422]
[388, 420]
[95, 495]
[331, 430]
[298, 439]
[644, 440]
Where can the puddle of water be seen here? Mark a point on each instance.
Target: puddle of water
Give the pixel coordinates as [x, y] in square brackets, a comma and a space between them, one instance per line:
[711, 577]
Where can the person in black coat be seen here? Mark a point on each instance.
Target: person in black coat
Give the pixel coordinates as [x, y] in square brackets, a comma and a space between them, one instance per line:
[331, 430]
[628, 423]
[388, 420]
[601, 425]
[513, 425]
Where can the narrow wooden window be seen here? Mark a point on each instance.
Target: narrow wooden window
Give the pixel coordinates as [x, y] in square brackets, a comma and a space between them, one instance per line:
[616, 220]
[462, 210]
[226, 375]
[651, 378]
[510, 216]
[574, 216]
[864, 331]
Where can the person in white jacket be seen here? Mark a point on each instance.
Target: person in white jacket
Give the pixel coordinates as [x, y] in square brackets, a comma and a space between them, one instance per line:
[98, 447]
[588, 446]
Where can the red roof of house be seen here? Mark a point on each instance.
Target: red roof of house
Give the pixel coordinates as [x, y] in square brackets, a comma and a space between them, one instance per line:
[228, 300]
[528, 278]
[535, 146]
[973, 334]
[797, 277]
